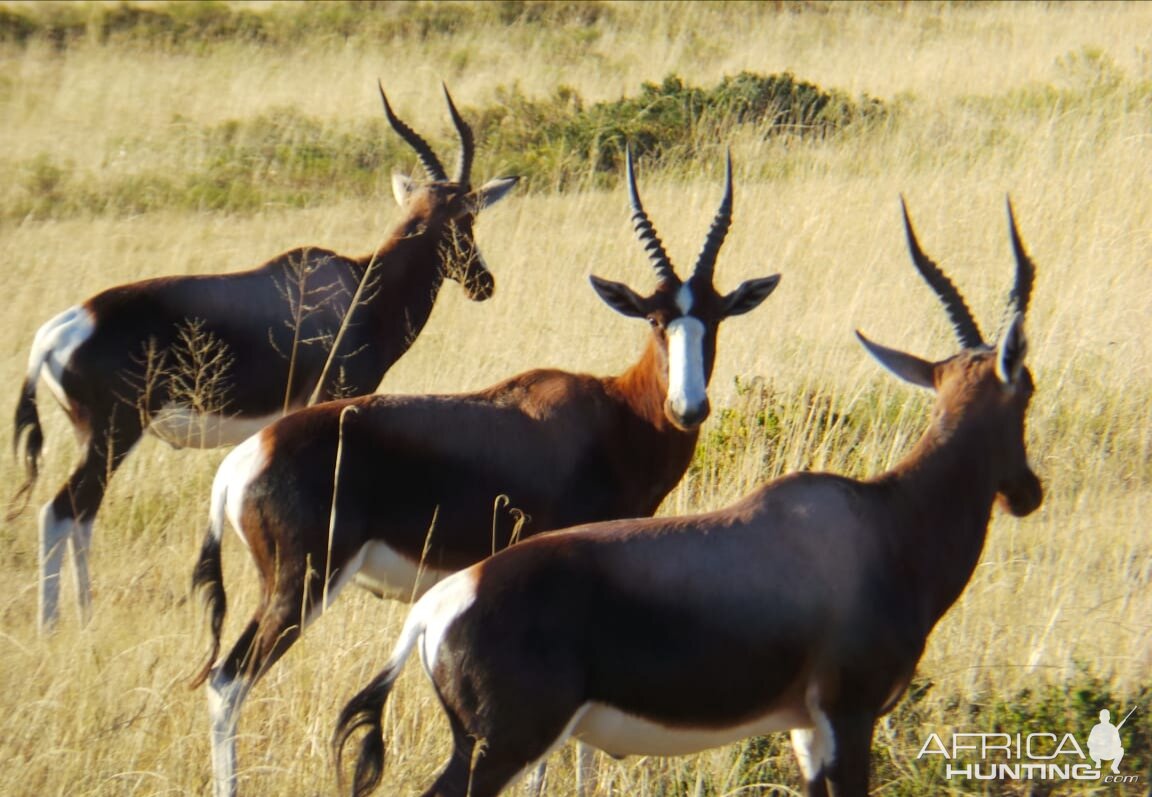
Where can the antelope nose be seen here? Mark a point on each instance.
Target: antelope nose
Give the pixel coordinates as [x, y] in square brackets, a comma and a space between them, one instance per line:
[481, 287]
[688, 417]
[1024, 496]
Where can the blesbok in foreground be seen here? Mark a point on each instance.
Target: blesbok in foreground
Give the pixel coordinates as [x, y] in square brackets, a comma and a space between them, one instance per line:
[804, 606]
[428, 485]
[206, 361]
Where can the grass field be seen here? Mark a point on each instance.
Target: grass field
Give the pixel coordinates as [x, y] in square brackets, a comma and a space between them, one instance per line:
[1050, 103]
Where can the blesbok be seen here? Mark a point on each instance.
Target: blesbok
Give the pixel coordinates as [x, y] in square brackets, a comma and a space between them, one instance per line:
[804, 606]
[430, 484]
[305, 325]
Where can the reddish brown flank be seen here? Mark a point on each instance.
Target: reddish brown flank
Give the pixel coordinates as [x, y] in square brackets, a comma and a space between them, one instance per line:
[399, 491]
[803, 607]
[307, 325]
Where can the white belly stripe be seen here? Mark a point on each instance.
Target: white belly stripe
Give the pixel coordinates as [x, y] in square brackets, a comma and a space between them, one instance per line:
[183, 427]
[390, 575]
[621, 734]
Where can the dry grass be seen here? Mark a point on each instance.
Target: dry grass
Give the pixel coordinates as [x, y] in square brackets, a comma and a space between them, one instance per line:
[103, 710]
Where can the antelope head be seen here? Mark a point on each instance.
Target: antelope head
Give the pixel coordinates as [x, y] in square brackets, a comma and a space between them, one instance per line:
[684, 315]
[451, 202]
[984, 390]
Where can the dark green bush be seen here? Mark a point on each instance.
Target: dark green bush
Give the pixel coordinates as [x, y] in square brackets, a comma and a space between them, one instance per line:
[285, 157]
[747, 437]
[563, 141]
[15, 27]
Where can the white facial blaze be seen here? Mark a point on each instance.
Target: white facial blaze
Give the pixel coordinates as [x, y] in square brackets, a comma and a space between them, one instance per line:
[687, 390]
[684, 299]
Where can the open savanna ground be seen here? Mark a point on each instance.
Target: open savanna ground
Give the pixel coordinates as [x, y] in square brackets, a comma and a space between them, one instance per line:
[118, 165]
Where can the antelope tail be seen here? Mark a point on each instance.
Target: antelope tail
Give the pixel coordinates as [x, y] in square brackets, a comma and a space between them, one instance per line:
[209, 577]
[28, 436]
[365, 710]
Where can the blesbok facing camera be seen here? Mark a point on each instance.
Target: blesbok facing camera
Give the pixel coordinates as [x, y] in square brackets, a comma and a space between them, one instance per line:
[397, 492]
[803, 607]
[205, 361]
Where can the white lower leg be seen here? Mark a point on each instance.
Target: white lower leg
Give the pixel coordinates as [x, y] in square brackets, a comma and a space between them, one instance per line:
[54, 534]
[81, 544]
[224, 699]
[814, 747]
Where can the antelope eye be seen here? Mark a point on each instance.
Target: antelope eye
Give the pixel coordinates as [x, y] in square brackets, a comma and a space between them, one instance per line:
[654, 322]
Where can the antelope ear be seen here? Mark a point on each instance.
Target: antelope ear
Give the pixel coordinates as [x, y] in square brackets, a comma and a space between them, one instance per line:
[906, 366]
[491, 192]
[1010, 355]
[619, 297]
[749, 294]
[402, 188]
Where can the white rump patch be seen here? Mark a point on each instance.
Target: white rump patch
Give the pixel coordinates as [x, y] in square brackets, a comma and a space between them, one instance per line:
[238, 469]
[687, 389]
[438, 609]
[181, 426]
[54, 344]
[621, 734]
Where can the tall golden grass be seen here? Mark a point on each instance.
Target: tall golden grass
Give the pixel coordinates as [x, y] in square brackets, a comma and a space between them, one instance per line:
[103, 710]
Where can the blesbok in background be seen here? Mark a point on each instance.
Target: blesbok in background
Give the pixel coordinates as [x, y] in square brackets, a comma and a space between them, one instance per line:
[140, 141]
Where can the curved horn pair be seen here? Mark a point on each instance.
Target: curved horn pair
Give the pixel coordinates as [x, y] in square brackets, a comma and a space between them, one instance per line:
[967, 331]
[706, 261]
[427, 157]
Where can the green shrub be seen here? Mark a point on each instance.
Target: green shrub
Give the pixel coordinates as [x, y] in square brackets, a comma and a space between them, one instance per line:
[669, 121]
[15, 27]
[285, 157]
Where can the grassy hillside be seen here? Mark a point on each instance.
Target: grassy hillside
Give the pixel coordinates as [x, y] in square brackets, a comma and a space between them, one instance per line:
[141, 140]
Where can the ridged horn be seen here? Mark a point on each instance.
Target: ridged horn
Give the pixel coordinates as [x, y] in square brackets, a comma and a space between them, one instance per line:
[706, 262]
[644, 229]
[967, 332]
[427, 157]
[467, 142]
[1025, 268]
